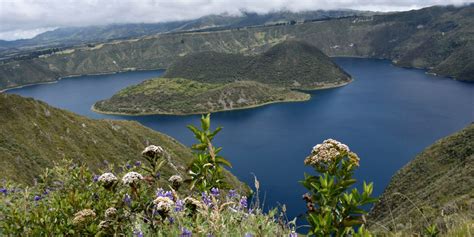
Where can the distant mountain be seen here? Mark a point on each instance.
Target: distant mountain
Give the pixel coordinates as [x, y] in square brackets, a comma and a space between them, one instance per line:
[34, 135]
[437, 187]
[438, 39]
[68, 36]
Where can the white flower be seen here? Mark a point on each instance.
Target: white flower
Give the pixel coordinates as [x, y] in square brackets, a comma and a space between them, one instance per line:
[107, 178]
[110, 212]
[175, 179]
[328, 151]
[152, 151]
[131, 178]
[163, 204]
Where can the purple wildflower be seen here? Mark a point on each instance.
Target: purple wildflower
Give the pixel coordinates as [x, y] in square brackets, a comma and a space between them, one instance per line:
[293, 234]
[4, 191]
[206, 199]
[128, 166]
[215, 192]
[232, 193]
[37, 198]
[171, 220]
[248, 234]
[127, 199]
[162, 193]
[158, 175]
[96, 178]
[46, 191]
[179, 206]
[138, 233]
[243, 202]
[185, 232]
[138, 163]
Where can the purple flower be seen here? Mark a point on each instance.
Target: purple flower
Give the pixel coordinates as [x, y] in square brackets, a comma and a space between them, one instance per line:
[162, 193]
[127, 199]
[46, 191]
[248, 234]
[128, 166]
[96, 178]
[215, 192]
[171, 220]
[243, 202]
[4, 191]
[158, 175]
[185, 232]
[293, 234]
[138, 233]
[138, 163]
[206, 199]
[179, 206]
[232, 193]
[37, 198]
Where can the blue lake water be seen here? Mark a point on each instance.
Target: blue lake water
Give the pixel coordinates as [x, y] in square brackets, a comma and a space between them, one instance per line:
[387, 116]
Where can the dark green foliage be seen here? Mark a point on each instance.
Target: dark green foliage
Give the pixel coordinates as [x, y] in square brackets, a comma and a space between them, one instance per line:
[206, 169]
[290, 64]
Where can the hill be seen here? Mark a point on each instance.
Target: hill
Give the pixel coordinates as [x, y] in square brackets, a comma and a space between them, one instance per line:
[291, 64]
[438, 39]
[182, 96]
[437, 187]
[34, 135]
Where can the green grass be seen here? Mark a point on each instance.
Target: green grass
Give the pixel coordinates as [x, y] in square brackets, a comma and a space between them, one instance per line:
[34, 135]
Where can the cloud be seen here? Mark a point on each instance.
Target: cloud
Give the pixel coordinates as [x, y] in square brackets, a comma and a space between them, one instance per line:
[25, 18]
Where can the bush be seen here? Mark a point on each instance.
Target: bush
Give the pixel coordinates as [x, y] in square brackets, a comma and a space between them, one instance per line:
[333, 210]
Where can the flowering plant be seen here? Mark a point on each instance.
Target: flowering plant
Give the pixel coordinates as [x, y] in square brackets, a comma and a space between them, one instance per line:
[333, 209]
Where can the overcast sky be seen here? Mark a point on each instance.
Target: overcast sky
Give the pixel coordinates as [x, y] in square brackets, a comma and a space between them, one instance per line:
[27, 18]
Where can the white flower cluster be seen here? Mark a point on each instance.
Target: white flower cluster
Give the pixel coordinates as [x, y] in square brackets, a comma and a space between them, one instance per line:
[175, 179]
[110, 212]
[152, 151]
[83, 216]
[163, 204]
[326, 152]
[107, 178]
[131, 178]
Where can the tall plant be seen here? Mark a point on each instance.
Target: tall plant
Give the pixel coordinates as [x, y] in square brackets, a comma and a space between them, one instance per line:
[334, 209]
[207, 167]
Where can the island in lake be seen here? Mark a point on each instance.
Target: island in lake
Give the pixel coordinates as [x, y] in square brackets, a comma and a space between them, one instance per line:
[211, 81]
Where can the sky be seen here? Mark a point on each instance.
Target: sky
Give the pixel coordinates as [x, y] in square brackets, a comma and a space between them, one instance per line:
[27, 18]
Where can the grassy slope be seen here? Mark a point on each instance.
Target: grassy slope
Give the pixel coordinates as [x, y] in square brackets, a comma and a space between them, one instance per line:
[439, 181]
[440, 39]
[33, 135]
[290, 64]
[182, 96]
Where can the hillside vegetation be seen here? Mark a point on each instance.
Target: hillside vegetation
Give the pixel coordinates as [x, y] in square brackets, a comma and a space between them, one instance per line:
[439, 39]
[34, 135]
[436, 187]
[289, 64]
[182, 96]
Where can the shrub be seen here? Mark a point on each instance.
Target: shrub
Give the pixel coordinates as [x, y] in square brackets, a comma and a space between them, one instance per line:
[333, 209]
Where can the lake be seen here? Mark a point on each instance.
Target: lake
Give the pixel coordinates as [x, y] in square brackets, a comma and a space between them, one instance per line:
[387, 116]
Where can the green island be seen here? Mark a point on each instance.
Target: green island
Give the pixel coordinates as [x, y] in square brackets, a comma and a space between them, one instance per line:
[210, 82]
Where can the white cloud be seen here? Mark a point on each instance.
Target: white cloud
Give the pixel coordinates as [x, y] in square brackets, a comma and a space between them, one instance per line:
[24, 18]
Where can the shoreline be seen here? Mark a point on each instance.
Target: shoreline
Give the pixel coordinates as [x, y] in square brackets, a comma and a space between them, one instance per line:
[75, 75]
[305, 91]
